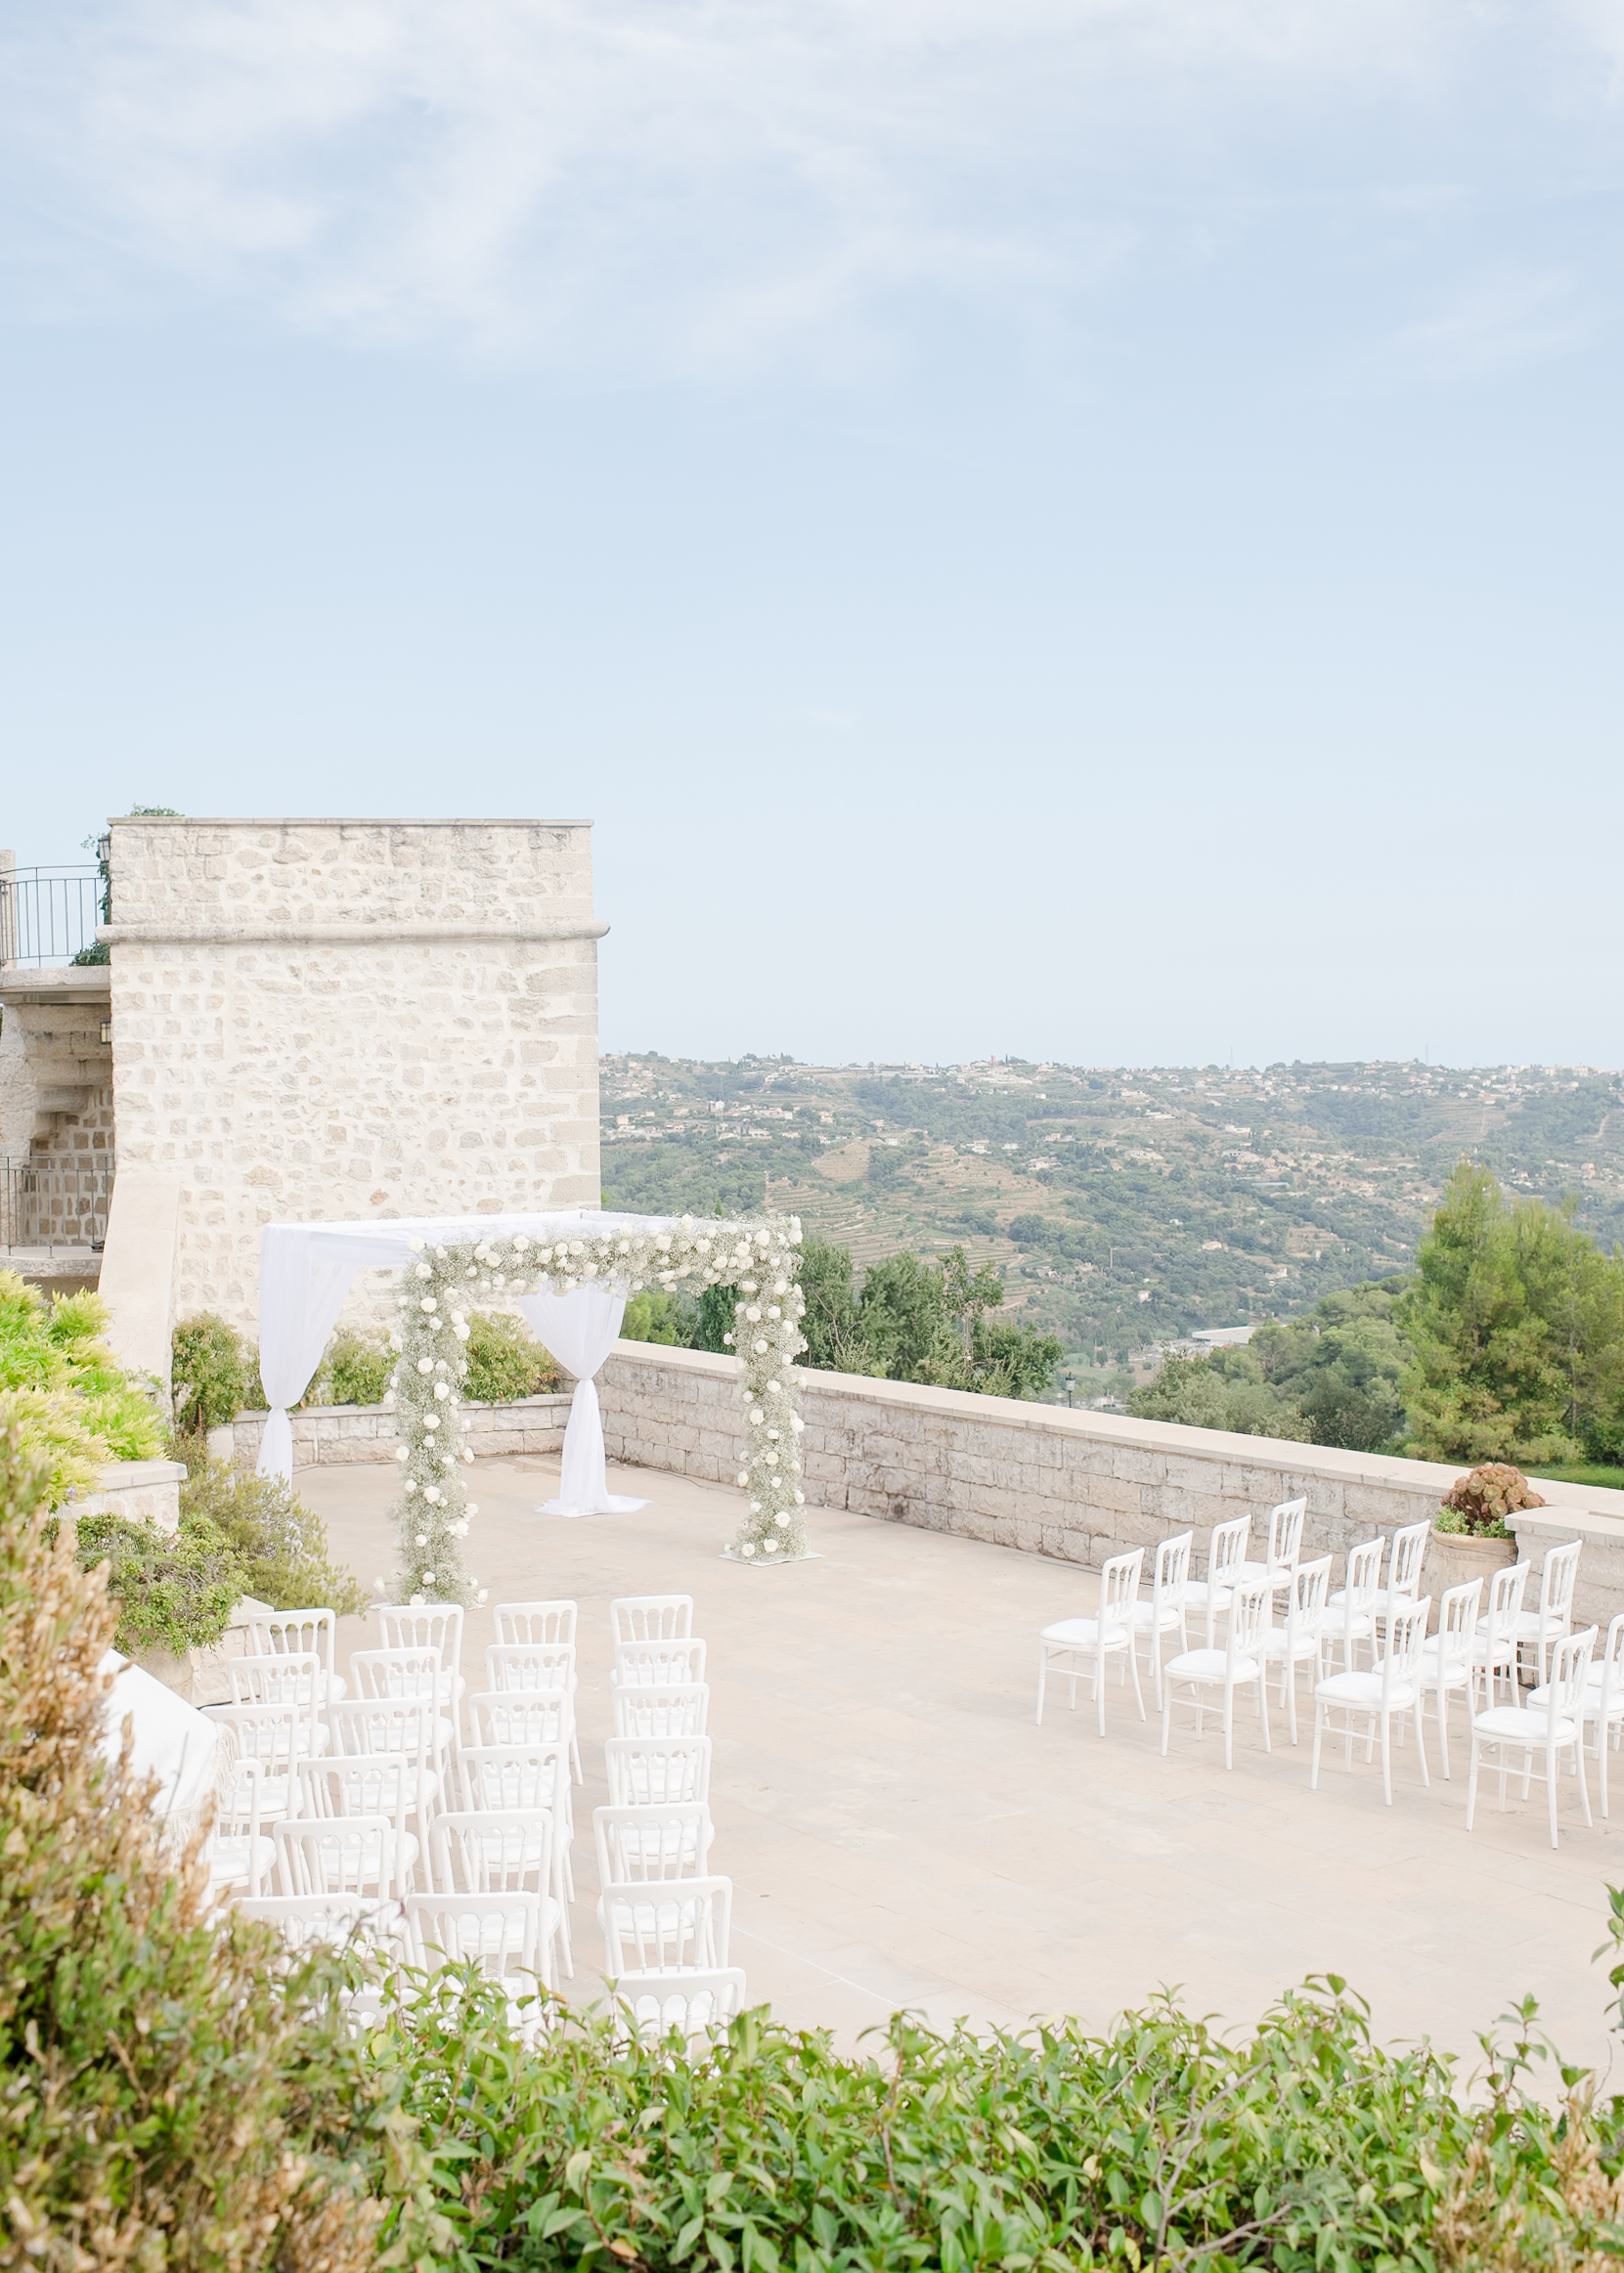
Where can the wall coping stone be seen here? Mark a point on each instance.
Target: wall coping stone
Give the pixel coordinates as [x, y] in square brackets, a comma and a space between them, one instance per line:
[348, 934]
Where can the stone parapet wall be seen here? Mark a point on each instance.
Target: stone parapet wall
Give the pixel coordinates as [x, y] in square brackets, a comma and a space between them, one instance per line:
[1078, 1486]
[341, 1020]
[345, 1435]
[141, 1490]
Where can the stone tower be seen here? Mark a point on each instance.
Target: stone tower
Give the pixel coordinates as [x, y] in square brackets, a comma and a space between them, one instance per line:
[331, 1018]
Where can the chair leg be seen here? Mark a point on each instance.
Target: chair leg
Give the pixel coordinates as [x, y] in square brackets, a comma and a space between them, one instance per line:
[1042, 1680]
[1133, 1669]
[1314, 1764]
[1579, 1766]
[1166, 1716]
[1443, 1727]
[1602, 1732]
[1098, 1680]
[1386, 1756]
[1229, 1725]
[1420, 1744]
[1472, 1781]
[1263, 1707]
[1290, 1701]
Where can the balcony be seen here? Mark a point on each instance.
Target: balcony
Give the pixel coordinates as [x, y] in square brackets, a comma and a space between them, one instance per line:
[48, 915]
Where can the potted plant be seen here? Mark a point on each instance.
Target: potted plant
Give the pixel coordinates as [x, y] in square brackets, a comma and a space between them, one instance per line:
[1470, 1526]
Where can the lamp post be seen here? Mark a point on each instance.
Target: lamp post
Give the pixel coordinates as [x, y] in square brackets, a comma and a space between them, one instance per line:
[1071, 1385]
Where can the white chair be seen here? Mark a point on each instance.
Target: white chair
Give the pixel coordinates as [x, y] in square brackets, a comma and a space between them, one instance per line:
[657, 1772]
[543, 1623]
[436, 1626]
[1408, 1553]
[1446, 1660]
[657, 1665]
[651, 1618]
[537, 1665]
[1603, 1705]
[1538, 1631]
[1351, 1610]
[276, 1737]
[1074, 1646]
[652, 1843]
[1165, 1611]
[500, 1933]
[1238, 1665]
[674, 1709]
[484, 1854]
[650, 2007]
[520, 1717]
[326, 1920]
[1551, 1729]
[368, 1787]
[1285, 1548]
[1301, 1639]
[295, 1678]
[299, 1633]
[1494, 1646]
[241, 1852]
[502, 1780]
[406, 1730]
[676, 1925]
[1226, 1553]
[337, 1855]
[411, 1675]
[1372, 1698]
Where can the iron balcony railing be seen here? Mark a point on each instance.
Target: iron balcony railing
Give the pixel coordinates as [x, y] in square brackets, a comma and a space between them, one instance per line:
[57, 1201]
[48, 915]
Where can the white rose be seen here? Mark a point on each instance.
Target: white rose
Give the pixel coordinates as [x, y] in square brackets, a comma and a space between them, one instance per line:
[744, 1475]
[425, 1364]
[747, 1548]
[799, 1499]
[423, 1271]
[773, 1459]
[782, 1518]
[762, 1349]
[442, 1388]
[411, 1486]
[753, 1315]
[431, 1421]
[422, 1538]
[769, 1545]
[403, 1452]
[428, 1304]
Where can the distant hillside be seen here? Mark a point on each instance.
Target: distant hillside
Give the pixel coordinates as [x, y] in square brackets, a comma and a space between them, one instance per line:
[1123, 1205]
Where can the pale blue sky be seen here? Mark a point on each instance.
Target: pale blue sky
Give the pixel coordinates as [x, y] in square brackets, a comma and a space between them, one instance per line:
[1086, 530]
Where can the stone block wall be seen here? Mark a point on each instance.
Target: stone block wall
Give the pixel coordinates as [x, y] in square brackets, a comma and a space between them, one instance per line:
[340, 1020]
[1078, 1486]
[353, 1436]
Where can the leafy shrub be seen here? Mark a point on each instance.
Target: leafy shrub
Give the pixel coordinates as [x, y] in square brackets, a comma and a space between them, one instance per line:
[173, 1590]
[505, 1360]
[276, 1545]
[64, 1388]
[177, 2095]
[208, 1366]
[660, 1316]
[355, 1370]
[1481, 1502]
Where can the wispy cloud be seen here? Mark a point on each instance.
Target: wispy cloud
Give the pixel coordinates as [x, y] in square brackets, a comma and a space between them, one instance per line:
[719, 181]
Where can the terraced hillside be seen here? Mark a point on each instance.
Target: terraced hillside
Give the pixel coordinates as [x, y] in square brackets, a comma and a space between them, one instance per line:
[1123, 1206]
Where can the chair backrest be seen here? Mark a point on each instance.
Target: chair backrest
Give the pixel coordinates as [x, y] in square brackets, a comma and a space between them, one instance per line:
[688, 1923]
[494, 1851]
[499, 1779]
[1613, 1667]
[314, 1921]
[1248, 1618]
[397, 1673]
[1407, 1622]
[545, 1625]
[436, 1626]
[404, 1728]
[288, 1677]
[530, 1665]
[657, 1772]
[1362, 1580]
[651, 1618]
[1506, 1590]
[1556, 1587]
[1409, 1553]
[520, 1716]
[1120, 1579]
[1286, 1534]
[1226, 1551]
[1458, 1614]
[279, 1632]
[686, 2004]
[656, 1665]
[500, 1932]
[1570, 1674]
[274, 1736]
[337, 1854]
[1310, 1590]
[1172, 1571]
[642, 1844]
[669, 1709]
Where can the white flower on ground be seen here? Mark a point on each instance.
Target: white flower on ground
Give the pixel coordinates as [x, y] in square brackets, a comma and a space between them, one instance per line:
[748, 1547]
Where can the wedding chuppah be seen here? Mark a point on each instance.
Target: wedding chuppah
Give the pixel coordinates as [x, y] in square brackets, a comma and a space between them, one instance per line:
[570, 1275]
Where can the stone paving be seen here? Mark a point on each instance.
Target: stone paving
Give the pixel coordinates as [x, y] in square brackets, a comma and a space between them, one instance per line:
[902, 1834]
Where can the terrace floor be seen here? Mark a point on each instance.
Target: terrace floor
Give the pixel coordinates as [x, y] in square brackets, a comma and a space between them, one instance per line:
[901, 1833]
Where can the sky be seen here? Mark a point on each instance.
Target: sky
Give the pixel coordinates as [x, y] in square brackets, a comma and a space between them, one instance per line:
[1078, 529]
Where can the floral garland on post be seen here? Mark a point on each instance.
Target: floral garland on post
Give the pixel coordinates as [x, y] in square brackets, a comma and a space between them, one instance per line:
[758, 1255]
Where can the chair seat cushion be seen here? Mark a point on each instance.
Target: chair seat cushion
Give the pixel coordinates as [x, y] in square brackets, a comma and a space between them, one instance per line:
[1199, 1590]
[1166, 1620]
[1208, 1665]
[1306, 1643]
[1363, 1690]
[1517, 1725]
[1082, 1634]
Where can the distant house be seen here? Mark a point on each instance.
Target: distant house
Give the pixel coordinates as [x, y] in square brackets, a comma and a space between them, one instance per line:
[1207, 1339]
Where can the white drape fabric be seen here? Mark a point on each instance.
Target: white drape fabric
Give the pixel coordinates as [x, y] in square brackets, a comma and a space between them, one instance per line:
[579, 1330]
[170, 1739]
[306, 1269]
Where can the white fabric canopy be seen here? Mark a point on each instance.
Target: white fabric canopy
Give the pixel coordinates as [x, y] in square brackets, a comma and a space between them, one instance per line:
[171, 1739]
[306, 1269]
[580, 1331]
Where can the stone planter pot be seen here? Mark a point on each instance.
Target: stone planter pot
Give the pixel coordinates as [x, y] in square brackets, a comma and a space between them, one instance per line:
[175, 1672]
[1455, 1558]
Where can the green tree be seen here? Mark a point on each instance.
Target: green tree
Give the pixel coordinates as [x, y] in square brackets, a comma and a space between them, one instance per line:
[1342, 1367]
[1515, 1332]
[1225, 1390]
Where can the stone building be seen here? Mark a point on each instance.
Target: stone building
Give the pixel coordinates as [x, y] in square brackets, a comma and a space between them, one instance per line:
[330, 1018]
